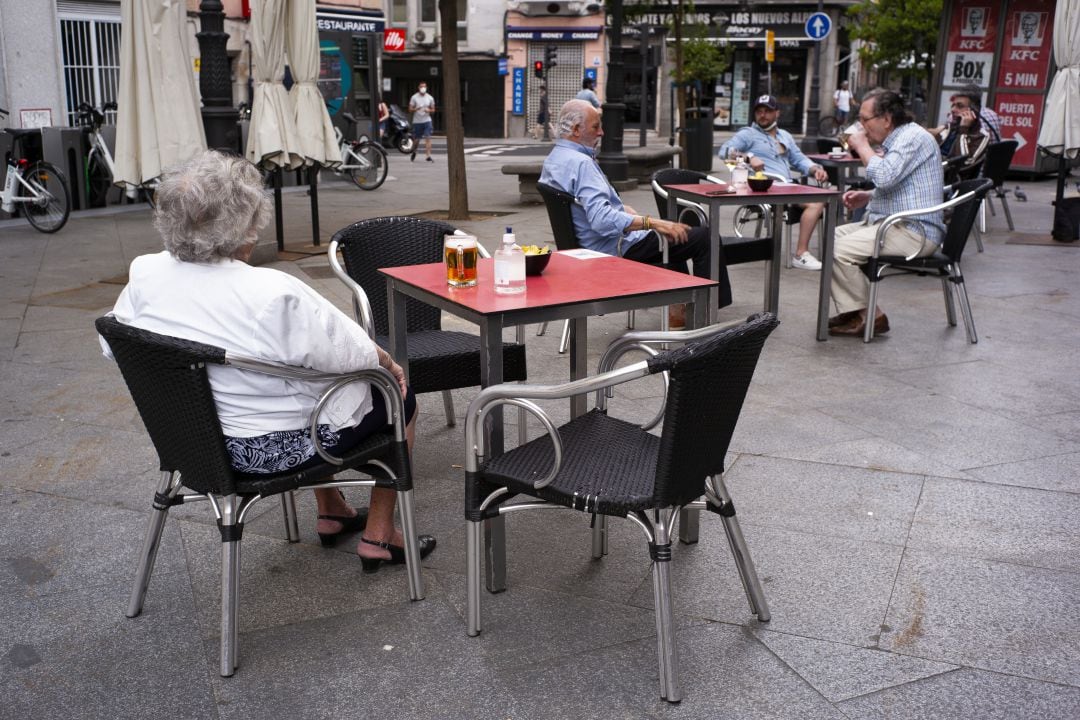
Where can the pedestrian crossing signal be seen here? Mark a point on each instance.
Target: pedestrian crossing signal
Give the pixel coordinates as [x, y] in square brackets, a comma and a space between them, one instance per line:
[538, 69]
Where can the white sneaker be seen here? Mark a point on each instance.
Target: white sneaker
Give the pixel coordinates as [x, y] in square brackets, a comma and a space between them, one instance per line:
[806, 261]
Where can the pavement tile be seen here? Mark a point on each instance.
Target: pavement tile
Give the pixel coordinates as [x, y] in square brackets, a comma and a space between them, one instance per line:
[815, 585]
[985, 614]
[958, 434]
[827, 499]
[1056, 472]
[875, 453]
[968, 695]
[840, 672]
[54, 545]
[73, 654]
[723, 671]
[998, 522]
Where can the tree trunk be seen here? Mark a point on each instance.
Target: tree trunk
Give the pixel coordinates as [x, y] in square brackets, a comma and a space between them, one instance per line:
[451, 105]
[680, 85]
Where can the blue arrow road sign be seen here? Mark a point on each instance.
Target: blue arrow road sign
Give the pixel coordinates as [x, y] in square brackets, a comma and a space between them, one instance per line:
[818, 26]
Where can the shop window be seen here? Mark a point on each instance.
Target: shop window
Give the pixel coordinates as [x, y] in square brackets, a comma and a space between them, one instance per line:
[427, 11]
[399, 12]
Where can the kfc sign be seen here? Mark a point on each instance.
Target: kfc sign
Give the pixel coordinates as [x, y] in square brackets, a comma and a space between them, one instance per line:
[393, 40]
[1025, 52]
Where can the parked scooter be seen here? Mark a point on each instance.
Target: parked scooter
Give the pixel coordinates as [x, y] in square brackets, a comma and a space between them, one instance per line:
[399, 131]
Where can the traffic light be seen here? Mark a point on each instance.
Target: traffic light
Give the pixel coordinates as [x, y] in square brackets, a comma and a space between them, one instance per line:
[551, 54]
[538, 69]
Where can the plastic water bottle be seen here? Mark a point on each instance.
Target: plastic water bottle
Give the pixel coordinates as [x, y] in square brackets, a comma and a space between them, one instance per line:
[509, 266]
[739, 175]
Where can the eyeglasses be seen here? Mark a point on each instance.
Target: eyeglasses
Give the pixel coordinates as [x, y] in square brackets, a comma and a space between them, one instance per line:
[865, 120]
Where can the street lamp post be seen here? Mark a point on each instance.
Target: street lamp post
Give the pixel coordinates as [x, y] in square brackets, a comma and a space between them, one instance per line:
[215, 79]
[611, 158]
[813, 111]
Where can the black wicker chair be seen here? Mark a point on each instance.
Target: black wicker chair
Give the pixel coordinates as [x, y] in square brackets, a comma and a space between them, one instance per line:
[603, 466]
[559, 206]
[439, 360]
[944, 263]
[996, 162]
[168, 381]
[737, 249]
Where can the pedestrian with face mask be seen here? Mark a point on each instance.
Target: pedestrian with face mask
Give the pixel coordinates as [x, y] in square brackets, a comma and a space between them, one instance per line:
[422, 105]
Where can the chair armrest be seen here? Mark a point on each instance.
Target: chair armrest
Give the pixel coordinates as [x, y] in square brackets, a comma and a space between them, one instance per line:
[901, 216]
[361, 305]
[379, 378]
[491, 397]
[637, 338]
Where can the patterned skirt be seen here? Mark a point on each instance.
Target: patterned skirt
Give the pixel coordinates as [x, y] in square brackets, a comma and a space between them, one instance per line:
[277, 451]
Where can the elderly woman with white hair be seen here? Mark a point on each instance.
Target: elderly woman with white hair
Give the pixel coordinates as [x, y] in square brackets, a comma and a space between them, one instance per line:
[209, 211]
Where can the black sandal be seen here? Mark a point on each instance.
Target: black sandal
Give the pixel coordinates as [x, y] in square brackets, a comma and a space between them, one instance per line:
[349, 524]
[397, 553]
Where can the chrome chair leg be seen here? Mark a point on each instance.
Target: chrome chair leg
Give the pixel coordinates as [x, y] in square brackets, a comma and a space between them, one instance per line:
[412, 548]
[689, 525]
[542, 329]
[1008, 215]
[871, 312]
[950, 308]
[288, 507]
[667, 652]
[158, 515]
[631, 319]
[978, 237]
[473, 549]
[599, 537]
[965, 306]
[564, 341]
[230, 584]
[755, 595]
[448, 408]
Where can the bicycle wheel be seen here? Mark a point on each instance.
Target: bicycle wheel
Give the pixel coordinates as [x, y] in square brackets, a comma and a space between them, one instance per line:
[750, 221]
[828, 127]
[98, 181]
[50, 202]
[368, 165]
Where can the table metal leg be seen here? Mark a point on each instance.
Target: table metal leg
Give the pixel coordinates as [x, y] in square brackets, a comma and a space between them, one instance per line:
[714, 262]
[828, 237]
[579, 361]
[772, 267]
[398, 322]
[491, 373]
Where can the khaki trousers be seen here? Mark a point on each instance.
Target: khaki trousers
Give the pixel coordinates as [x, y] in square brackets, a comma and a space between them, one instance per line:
[854, 244]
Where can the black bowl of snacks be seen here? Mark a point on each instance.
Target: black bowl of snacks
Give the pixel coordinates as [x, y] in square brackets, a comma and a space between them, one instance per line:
[536, 258]
[759, 183]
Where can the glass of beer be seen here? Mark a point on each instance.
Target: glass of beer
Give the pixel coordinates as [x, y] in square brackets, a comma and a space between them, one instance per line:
[461, 254]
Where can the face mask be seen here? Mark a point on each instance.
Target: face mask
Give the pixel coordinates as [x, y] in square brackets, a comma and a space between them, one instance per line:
[423, 91]
[768, 128]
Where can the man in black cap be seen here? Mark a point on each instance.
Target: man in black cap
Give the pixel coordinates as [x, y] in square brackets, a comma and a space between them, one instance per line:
[775, 151]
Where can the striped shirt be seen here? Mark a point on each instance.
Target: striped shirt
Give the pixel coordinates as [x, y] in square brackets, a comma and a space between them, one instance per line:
[907, 177]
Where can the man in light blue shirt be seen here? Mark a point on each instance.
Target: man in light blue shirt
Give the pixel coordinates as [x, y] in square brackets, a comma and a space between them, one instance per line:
[588, 92]
[774, 150]
[907, 175]
[601, 221]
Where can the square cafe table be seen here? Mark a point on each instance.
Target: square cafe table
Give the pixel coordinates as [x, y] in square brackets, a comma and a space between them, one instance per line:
[717, 195]
[575, 285]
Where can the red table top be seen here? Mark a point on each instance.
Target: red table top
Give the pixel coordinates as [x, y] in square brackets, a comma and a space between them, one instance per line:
[566, 280]
[844, 159]
[710, 190]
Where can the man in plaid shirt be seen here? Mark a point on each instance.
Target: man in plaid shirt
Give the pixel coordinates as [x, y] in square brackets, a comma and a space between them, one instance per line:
[907, 175]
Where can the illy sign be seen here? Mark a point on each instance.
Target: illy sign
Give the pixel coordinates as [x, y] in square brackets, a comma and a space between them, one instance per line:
[394, 40]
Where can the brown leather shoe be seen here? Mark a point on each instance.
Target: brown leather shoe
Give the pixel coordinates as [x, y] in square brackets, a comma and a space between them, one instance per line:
[858, 326]
[676, 317]
[843, 318]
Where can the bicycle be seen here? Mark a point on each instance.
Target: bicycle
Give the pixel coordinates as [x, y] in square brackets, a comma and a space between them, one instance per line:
[365, 162]
[39, 190]
[829, 126]
[100, 167]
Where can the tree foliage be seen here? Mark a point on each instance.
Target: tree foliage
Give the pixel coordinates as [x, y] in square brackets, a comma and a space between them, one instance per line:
[895, 31]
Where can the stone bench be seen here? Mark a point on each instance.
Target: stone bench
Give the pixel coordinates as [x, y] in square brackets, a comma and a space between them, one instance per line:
[642, 163]
[528, 175]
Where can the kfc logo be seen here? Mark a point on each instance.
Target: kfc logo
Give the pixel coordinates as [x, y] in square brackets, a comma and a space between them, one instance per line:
[394, 40]
[1028, 28]
[974, 22]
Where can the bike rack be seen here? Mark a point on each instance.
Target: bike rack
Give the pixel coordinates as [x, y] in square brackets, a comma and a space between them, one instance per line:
[64, 148]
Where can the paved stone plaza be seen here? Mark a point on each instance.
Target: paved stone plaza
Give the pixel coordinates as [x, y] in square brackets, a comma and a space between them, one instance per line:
[912, 505]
